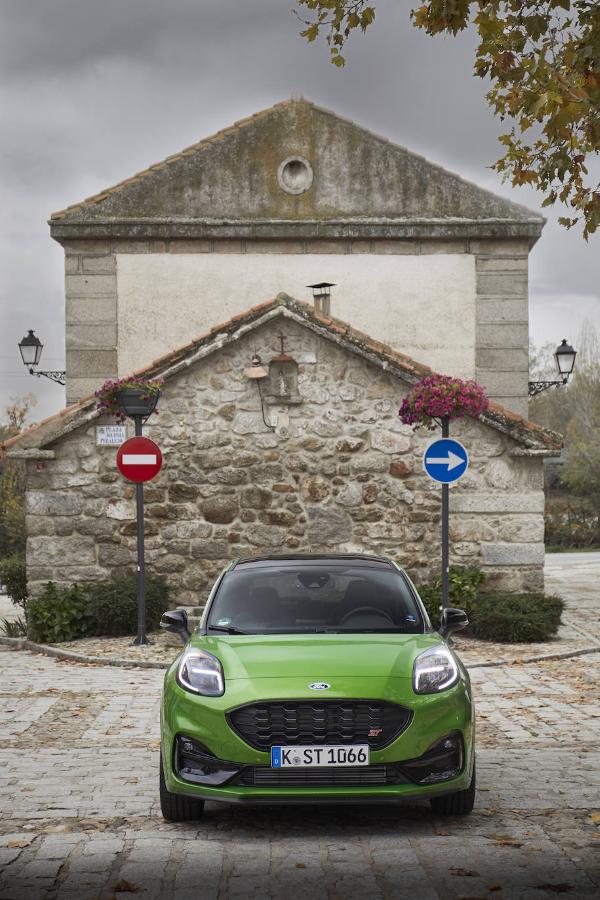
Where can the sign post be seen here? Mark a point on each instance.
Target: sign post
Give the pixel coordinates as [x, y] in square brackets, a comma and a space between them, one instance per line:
[139, 460]
[445, 461]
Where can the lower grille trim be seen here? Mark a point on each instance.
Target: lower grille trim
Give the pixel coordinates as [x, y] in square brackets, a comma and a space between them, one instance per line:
[321, 776]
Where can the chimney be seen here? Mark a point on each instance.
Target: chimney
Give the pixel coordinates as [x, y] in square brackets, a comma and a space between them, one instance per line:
[322, 297]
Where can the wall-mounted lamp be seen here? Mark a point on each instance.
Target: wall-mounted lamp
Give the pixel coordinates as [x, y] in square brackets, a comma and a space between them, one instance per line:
[322, 296]
[30, 348]
[256, 372]
[564, 357]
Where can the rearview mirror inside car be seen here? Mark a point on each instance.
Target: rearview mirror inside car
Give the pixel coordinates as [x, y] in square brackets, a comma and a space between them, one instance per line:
[452, 620]
[175, 620]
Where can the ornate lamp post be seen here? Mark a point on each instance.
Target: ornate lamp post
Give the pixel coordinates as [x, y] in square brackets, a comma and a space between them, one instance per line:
[564, 356]
[30, 348]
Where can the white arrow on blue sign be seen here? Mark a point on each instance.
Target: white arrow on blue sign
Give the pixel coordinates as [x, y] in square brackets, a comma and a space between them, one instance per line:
[446, 460]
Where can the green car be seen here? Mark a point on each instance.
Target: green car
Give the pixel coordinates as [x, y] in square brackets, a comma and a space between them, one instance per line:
[316, 679]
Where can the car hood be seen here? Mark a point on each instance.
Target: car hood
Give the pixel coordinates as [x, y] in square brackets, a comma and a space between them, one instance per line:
[317, 656]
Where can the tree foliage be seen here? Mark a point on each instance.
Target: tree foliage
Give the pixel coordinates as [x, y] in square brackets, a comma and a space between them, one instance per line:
[575, 411]
[543, 60]
[12, 481]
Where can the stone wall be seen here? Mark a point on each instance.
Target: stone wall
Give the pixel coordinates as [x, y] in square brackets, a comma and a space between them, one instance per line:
[340, 474]
[462, 309]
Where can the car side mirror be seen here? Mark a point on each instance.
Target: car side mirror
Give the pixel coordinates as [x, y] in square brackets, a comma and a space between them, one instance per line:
[452, 620]
[176, 621]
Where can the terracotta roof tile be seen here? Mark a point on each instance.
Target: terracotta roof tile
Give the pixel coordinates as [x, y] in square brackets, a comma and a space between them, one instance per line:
[523, 431]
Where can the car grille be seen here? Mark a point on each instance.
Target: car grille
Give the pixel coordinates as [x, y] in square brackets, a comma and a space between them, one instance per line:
[282, 723]
[319, 776]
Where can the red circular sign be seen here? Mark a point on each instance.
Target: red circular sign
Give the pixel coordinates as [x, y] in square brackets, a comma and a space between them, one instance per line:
[139, 459]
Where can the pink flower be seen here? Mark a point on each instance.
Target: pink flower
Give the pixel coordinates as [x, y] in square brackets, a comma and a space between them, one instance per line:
[440, 396]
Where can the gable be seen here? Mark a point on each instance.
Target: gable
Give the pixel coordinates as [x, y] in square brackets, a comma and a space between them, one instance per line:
[296, 163]
[532, 440]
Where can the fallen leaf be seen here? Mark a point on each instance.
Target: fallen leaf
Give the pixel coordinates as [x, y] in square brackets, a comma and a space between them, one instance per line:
[16, 845]
[125, 887]
[300, 866]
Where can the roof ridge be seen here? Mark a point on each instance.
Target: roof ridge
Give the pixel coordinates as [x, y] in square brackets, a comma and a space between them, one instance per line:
[521, 429]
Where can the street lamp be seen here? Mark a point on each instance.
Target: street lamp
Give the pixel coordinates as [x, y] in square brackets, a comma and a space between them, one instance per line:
[30, 348]
[564, 357]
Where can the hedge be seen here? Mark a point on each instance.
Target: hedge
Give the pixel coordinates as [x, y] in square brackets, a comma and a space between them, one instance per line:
[495, 615]
[95, 608]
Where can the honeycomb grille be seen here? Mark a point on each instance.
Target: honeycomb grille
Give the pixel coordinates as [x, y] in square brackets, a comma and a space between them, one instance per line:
[282, 723]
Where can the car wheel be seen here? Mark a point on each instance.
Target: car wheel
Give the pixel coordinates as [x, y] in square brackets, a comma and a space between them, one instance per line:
[175, 807]
[459, 804]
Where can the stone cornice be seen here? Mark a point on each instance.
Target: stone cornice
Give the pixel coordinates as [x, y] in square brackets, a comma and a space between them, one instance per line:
[288, 229]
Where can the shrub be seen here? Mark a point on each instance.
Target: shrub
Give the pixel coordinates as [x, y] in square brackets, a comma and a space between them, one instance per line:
[13, 576]
[464, 584]
[14, 628]
[93, 608]
[516, 618]
[59, 614]
[571, 522]
[113, 604]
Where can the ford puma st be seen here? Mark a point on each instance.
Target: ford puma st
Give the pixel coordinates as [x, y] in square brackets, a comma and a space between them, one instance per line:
[316, 679]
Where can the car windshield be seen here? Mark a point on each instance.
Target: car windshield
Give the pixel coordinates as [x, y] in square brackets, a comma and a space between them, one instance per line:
[309, 599]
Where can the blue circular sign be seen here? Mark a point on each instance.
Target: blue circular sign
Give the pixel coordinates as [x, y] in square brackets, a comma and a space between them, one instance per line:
[446, 460]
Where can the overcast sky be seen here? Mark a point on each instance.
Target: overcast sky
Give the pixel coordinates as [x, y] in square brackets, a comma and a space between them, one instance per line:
[92, 92]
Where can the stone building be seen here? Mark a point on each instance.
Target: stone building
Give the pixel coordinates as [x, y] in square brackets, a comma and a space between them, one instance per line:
[316, 461]
[431, 264]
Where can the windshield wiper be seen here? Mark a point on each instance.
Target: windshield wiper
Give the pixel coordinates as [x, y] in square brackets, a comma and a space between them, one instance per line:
[227, 629]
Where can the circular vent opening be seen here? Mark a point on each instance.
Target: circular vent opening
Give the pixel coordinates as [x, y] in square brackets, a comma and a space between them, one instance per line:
[295, 175]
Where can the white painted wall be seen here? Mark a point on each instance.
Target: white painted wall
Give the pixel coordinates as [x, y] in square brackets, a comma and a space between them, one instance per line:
[423, 306]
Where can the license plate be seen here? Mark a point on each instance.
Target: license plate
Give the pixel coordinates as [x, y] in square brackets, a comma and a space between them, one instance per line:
[305, 757]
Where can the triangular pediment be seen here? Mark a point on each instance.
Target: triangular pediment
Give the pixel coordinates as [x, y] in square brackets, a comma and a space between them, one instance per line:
[296, 162]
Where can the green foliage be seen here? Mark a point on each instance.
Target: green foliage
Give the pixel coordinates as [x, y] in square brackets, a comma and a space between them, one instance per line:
[494, 616]
[571, 522]
[14, 577]
[463, 589]
[14, 628]
[517, 618]
[93, 608]
[12, 481]
[542, 59]
[113, 604]
[59, 614]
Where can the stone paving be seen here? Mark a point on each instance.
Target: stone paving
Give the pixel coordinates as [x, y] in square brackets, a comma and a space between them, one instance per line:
[80, 818]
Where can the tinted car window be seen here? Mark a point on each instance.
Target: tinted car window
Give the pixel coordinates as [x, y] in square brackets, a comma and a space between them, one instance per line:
[309, 599]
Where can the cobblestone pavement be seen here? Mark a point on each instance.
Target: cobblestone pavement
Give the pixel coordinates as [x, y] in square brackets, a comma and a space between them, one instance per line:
[80, 816]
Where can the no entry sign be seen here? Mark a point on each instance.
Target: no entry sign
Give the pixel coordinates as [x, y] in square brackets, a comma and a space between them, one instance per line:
[139, 459]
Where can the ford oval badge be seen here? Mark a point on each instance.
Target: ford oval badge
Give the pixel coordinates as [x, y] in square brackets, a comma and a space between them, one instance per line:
[319, 686]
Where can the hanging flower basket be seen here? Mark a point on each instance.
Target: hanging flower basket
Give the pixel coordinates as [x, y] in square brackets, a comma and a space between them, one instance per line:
[128, 397]
[440, 397]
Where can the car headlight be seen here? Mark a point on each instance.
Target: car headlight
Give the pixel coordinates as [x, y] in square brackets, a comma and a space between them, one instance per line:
[201, 673]
[434, 670]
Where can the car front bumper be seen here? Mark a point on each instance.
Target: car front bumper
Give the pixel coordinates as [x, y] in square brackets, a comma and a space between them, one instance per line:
[203, 720]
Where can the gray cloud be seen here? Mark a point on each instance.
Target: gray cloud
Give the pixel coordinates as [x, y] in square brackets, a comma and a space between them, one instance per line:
[92, 92]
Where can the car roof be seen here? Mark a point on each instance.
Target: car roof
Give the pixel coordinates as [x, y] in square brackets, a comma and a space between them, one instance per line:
[311, 559]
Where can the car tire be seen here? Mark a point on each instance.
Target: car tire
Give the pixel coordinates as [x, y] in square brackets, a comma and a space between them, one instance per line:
[175, 807]
[459, 804]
